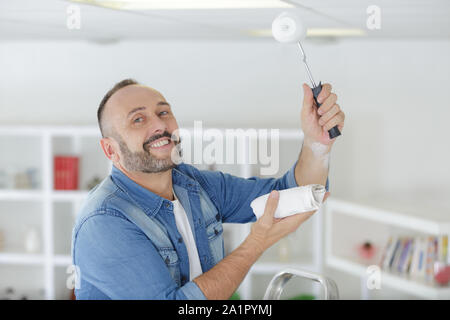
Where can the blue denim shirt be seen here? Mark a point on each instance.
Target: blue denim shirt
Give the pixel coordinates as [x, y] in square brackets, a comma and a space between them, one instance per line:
[116, 259]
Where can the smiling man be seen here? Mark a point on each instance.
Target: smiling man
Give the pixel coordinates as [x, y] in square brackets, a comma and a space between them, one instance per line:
[153, 229]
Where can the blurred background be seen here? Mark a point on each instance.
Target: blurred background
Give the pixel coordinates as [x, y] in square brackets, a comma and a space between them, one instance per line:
[216, 61]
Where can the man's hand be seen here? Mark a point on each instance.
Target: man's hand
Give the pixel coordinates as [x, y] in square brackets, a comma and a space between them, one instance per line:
[316, 122]
[268, 230]
[225, 277]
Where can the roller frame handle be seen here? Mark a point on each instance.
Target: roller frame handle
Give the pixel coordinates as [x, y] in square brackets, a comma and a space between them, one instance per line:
[333, 132]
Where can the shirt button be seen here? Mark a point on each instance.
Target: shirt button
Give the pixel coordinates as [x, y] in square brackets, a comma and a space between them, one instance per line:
[183, 278]
[167, 205]
[216, 232]
[180, 240]
[218, 216]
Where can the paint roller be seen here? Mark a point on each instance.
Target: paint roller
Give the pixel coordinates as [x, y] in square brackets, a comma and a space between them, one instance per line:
[287, 28]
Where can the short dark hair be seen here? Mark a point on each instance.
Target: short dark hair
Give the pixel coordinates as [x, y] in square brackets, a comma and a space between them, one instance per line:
[101, 107]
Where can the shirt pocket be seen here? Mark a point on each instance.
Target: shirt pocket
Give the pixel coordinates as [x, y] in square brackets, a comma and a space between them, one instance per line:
[214, 232]
[170, 258]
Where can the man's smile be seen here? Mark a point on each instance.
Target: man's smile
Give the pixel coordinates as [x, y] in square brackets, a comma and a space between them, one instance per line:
[161, 143]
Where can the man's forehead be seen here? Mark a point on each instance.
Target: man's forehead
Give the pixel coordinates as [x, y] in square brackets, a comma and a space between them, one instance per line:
[133, 96]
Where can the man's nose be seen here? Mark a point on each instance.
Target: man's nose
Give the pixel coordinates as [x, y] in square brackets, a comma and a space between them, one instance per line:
[157, 126]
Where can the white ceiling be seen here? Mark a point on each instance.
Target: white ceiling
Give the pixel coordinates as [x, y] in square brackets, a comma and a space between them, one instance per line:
[46, 19]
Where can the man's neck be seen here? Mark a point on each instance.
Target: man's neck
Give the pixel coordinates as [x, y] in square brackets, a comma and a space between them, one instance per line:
[159, 183]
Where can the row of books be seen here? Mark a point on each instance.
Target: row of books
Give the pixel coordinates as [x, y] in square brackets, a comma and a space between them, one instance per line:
[415, 257]
[65, 173]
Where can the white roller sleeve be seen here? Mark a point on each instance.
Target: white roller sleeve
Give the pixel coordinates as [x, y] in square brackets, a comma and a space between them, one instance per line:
[292, 201]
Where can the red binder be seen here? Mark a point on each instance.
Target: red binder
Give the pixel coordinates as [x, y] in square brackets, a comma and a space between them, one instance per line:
[66, 172]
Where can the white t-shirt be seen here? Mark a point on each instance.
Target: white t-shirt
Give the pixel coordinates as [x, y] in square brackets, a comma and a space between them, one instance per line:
[184, 228]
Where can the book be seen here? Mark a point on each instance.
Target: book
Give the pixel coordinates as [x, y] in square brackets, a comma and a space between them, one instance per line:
[443, 249]
[402, 265]
[389, 253]
[397, 254]
[409, 258]
[429, 258]
[65, 172]
[385, 252]
[413, 269]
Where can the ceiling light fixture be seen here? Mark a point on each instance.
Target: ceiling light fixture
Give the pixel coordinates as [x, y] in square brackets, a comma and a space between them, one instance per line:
[186, 4]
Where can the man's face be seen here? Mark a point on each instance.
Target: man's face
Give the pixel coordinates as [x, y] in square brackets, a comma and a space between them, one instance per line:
[141, 121]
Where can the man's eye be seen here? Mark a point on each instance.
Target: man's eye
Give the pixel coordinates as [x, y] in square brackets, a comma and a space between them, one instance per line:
[138, 120]
[163, 113]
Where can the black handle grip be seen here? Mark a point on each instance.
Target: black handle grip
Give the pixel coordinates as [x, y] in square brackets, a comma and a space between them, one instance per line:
[333, 132]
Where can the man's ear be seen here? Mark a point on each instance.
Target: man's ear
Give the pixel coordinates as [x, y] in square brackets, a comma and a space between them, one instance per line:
[110, 148]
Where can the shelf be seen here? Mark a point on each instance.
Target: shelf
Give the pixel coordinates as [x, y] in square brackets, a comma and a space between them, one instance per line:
[21, 258]
[69, 195]
[33, 259]
[22, 195]
[62, 260]
[50, 130]
[275, 267]
[419, 219]
[394, 281]
[37, 195]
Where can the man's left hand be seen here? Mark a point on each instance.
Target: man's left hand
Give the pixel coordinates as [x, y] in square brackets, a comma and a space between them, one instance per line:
[315, 121]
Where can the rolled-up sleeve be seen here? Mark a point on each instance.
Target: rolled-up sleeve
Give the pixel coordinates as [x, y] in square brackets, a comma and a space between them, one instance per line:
[116, 258]
[192, 292]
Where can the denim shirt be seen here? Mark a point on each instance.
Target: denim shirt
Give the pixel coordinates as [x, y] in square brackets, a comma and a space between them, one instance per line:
[117, 257]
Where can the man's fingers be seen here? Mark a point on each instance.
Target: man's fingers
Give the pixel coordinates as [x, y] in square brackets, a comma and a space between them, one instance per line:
[334, 110]
[338, 119]
[328, 104]
[324, 93]
[271, 205]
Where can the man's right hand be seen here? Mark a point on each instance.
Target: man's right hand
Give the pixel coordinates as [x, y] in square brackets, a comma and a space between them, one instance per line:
[268, 230]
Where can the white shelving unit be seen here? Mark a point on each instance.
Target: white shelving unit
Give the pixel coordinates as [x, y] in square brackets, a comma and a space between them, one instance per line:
[60, 207]
[46, 197]
[382, 216]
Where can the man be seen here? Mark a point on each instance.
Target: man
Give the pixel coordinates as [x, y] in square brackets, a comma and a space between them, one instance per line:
[153, 229]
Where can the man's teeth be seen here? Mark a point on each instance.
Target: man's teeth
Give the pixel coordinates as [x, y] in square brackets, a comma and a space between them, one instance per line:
[160, 144]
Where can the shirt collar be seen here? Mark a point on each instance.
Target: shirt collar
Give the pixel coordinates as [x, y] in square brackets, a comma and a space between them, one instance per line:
[144, 198]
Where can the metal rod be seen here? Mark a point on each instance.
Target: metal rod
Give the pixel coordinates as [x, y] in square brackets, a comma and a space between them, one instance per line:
[308, 71]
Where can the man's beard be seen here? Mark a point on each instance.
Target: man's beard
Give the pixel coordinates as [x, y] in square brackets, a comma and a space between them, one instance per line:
[143, 161]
